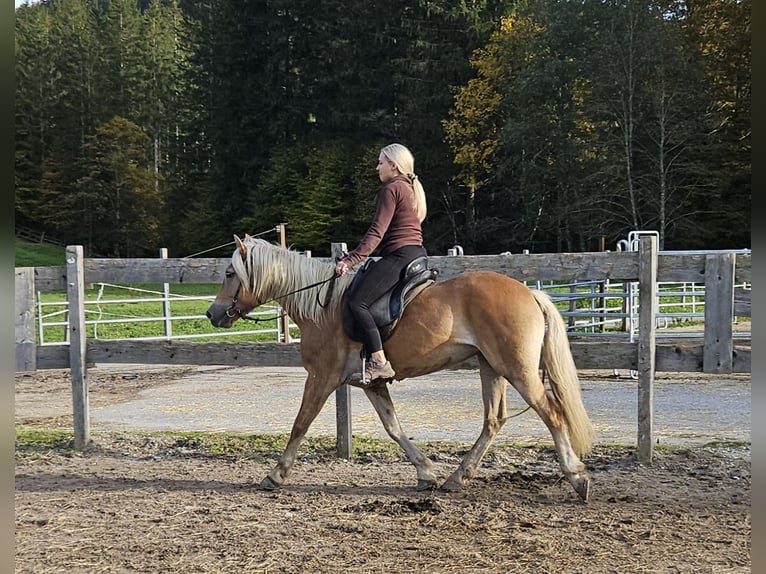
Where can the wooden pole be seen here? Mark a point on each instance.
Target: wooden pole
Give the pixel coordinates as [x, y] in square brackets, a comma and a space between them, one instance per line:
[75, 278]
[166, 300]
[285, 319]
[280, 229]
[25, 348]
[603, 288]
[342, 394]
[647, 334]
[719, 313]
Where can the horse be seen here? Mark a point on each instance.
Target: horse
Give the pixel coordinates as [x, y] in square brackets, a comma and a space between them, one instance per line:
[515, 333]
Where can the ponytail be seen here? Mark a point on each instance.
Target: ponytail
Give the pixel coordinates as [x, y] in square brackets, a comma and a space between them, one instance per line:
[402, 157]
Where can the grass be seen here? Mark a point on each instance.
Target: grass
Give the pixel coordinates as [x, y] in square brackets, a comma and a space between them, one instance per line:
[30, 254]
[231, 444]
[125, 311]
[35, 441]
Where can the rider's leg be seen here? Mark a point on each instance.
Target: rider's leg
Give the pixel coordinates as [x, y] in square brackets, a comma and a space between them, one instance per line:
[378, 279]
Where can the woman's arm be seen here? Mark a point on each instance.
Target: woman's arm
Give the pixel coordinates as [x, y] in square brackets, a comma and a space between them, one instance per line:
[384, 213]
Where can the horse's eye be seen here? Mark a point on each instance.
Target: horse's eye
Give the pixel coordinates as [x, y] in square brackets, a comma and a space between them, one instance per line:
[229, 274]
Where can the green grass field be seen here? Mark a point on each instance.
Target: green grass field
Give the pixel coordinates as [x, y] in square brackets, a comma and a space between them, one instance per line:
[38, 254]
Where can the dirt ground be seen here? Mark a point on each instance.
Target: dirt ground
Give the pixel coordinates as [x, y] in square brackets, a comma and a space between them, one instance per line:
[167, 503]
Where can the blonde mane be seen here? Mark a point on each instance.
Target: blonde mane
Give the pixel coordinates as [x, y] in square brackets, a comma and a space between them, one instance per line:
[269, 271]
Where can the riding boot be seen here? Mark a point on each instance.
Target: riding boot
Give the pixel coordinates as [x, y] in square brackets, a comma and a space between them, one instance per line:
[376, 370]
[375, 373]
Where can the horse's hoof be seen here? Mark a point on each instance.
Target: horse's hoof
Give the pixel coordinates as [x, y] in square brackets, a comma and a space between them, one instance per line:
[451, 485]
[268, 484]
[426, 485]
[582, 487]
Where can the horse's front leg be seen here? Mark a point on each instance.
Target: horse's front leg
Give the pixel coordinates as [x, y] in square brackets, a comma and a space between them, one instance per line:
[384, 406]
[315, 394]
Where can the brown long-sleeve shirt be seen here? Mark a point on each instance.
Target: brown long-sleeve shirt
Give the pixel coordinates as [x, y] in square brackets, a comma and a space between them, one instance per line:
[395, 224]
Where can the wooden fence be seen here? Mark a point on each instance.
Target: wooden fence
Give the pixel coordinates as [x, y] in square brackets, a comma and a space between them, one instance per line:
[715, 352]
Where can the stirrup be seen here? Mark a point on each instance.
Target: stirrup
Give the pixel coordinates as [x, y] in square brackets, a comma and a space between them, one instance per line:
[357, 382]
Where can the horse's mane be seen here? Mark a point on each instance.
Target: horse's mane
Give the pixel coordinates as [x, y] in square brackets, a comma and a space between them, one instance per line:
[270, 271]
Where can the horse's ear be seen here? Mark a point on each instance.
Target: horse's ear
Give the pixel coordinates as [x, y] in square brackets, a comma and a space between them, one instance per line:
[241, 246]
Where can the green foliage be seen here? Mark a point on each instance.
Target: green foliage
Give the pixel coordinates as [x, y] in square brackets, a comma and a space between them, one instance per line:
[318, 211]
[537, 124]
[585, 120]
[80, 63]
[475, 121]
[118, 198]
[324, 193]
[720, 32]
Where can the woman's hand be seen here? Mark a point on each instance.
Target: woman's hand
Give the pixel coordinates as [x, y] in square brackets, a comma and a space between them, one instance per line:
[341, 268]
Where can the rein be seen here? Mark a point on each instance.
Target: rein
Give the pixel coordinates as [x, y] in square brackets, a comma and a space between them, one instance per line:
[232, 311]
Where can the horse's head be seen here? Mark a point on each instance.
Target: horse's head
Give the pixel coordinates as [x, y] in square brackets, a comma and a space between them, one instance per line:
[235, 297]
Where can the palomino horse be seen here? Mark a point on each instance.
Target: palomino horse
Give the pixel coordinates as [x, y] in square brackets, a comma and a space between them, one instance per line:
[478, 313]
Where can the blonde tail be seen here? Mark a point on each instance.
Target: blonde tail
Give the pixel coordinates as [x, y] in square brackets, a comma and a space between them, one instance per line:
[559, 365]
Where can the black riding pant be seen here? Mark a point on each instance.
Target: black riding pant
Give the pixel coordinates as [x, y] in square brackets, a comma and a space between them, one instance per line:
[377, 280]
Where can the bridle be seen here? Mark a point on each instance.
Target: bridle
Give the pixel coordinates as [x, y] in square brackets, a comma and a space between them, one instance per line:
[232, 311]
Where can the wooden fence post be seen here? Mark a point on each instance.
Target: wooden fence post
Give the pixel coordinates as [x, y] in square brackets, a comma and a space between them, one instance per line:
[647, 334]
[75, 281]
[719, 313]
[166, 300]
[25, 347]
[284, 319]
[342, 394]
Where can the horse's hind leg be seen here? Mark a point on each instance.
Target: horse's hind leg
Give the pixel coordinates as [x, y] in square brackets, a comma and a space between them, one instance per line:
[533, 391]
[493, 388]
[384, 406]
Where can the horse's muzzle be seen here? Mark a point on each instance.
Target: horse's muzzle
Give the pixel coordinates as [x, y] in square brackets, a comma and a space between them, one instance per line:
[218, 317]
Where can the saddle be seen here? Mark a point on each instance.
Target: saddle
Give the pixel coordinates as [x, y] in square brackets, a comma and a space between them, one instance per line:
[388, 308]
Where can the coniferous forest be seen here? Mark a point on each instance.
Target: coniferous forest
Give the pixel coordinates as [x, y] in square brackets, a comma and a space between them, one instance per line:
[535, 124]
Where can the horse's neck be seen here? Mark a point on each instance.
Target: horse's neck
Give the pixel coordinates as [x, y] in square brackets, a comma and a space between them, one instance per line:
[298, 292]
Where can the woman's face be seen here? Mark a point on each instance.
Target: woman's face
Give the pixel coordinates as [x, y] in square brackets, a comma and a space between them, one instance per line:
[386, 169]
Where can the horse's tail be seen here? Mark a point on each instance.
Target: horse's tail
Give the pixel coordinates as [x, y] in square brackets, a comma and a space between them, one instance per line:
[558, 363]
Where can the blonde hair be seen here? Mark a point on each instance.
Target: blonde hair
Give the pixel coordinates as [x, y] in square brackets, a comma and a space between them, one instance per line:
[405, 163]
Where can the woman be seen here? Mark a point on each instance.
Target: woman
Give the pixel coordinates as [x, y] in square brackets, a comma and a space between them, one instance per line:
[396, 234]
